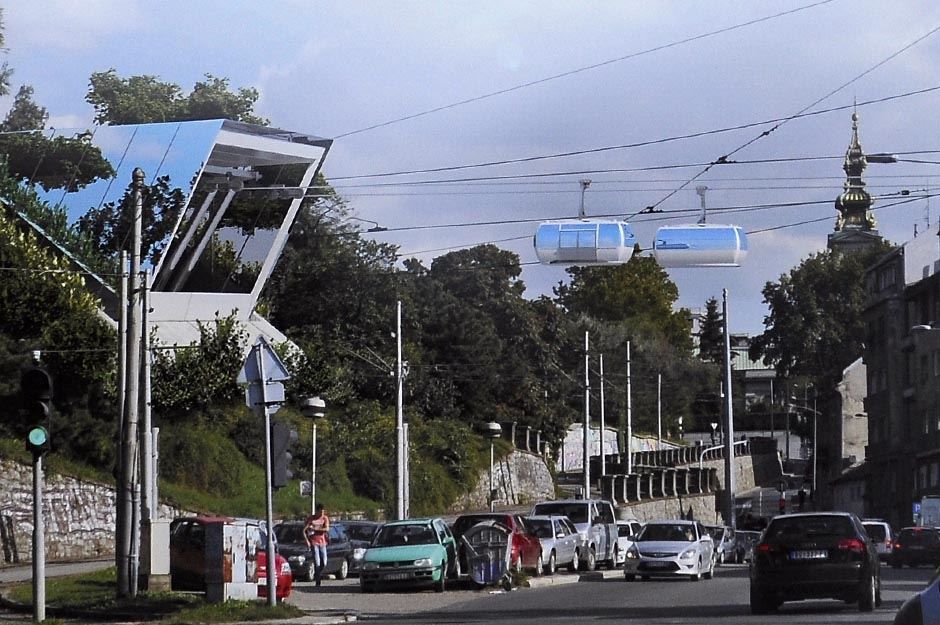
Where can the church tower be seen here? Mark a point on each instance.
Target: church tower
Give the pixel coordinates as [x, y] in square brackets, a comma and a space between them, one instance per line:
[855, 225]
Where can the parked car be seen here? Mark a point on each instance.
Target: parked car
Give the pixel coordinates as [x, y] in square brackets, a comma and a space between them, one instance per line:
[559, 543]
[723, 537]
[922, 608]
[525, 548]
[671, 548]
[814, 556]
[339, 551]
[188, 554]
[744, 541]
[916, 545]
[880, 532]
[412, 552]
[360, 535]
[595, 521]
[626, 532]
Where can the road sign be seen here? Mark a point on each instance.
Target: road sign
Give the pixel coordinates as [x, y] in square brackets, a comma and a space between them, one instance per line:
[268, 390]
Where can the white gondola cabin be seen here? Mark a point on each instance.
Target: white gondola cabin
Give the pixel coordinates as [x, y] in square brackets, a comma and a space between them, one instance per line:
[584, 242]
[700, 245]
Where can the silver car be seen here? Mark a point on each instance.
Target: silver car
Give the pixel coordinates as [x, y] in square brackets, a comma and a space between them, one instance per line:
[671, 548]
[561, 542]
[626, 532]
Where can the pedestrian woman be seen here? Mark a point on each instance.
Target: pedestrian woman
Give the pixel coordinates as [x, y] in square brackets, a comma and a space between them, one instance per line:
[316, 533]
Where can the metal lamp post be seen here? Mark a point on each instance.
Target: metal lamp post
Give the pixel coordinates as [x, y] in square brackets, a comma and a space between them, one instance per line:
[492, 430]
[313, 408]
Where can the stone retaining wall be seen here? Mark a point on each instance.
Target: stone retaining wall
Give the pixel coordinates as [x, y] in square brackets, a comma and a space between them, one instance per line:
[520, 479]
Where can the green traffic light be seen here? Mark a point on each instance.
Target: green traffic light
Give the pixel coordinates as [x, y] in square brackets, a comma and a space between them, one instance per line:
[38, 436]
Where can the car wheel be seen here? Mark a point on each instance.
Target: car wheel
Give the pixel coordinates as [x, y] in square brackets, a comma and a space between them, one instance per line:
[573, 565]
[591, 563]
[878, 593]
[868, 595]
[458, 570]
[539, 567]
[698, 573]
[310, 572]
[343, 571]
[710, 573]
[552, 564]
[721, 559]
[518, 567]
[441, 585]
[629, 577]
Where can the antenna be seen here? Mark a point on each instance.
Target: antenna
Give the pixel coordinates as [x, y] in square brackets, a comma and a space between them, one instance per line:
[701, 189]
[584, 185]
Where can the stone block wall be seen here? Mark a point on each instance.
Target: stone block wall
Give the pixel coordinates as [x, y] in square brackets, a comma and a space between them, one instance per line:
[703, 509]
[520, 479]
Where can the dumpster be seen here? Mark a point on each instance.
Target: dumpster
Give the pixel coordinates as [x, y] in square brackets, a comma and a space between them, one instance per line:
[488, 547]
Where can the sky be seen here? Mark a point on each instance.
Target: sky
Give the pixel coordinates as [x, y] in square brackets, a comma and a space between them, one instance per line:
[522, 79]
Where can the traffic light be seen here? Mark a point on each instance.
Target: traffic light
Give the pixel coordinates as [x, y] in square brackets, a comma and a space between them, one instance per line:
[282, 436]
[36, 401]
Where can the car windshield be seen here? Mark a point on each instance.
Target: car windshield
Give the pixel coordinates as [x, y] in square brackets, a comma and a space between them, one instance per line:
[809, 526]
[667, 532]
[541, 528]
[289, 534]
[361, 532]
[577, 512]
[398, 535]
[876, 531]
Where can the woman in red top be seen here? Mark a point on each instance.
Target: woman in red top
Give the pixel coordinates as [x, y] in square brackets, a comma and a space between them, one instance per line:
[316, 532]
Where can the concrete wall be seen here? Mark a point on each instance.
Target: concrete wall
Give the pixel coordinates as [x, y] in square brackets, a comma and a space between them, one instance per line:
[703, 509]
[521, 478]
[79, 516]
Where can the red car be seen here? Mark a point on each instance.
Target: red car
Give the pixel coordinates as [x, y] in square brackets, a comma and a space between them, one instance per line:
[285, 579]
[525, 547]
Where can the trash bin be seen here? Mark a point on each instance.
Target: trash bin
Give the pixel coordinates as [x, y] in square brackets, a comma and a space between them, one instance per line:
[488, 547]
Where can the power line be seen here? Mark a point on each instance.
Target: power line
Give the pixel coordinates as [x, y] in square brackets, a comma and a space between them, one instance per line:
[581, 69]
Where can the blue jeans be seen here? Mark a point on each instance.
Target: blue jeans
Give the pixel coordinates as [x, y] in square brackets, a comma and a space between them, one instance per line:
[319, 559]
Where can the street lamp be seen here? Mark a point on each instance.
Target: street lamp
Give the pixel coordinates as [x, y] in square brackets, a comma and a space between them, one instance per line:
[492, 430]
[714, 425]
[313, 408]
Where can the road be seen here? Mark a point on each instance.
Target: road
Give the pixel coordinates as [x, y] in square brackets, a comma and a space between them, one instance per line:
[673, 602]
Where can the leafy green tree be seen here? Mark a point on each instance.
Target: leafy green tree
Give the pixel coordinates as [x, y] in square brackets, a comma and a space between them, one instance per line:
[711, 334]
[146, 99]
[25, 113]
[815, 327]
[639, 291]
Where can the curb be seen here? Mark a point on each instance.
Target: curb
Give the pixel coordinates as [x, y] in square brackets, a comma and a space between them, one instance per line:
[563, 580]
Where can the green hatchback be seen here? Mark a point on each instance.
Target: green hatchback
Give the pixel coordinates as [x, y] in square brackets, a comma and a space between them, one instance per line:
[413, 552]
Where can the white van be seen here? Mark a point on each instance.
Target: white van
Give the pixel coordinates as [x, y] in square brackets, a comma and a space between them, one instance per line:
[595, 521]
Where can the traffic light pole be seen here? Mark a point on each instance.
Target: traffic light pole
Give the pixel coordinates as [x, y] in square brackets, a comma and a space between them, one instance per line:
[39, 544]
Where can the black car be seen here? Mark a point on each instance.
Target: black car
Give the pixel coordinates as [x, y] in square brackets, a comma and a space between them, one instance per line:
[815, 556]
[916, 545]
[360, 535]
[291, 544]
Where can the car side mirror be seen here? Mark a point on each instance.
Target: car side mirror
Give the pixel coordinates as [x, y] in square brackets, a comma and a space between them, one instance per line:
[560, 535]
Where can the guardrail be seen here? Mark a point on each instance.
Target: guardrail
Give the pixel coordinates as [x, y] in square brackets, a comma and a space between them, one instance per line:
[655, 482]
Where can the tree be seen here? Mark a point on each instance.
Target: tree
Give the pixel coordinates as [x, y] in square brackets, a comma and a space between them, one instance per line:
[146, 99]
[639, 291]
[815, 327]
[711, 334]
[25, 114]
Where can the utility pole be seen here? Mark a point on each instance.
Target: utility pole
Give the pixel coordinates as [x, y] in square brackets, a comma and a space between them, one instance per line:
[603, 425]
[729, 423]
[586, 452]
[399, 425]
[120, 521]
[125, 585]
[629, 416]
[659, 410]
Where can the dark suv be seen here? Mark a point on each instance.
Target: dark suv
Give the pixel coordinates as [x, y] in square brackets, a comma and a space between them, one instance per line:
[814, 556]
[916, 545]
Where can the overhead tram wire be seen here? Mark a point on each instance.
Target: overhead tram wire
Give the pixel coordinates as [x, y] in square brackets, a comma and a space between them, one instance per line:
[650, 142]
[724, 158]
[579, 70]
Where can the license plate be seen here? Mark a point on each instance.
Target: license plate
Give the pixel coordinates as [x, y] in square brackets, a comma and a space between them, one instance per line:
[809, 554]
[655, 564]
[397, 576]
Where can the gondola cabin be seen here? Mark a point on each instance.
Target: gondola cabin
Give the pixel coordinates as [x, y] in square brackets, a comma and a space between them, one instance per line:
[584, 242]
[700, 245]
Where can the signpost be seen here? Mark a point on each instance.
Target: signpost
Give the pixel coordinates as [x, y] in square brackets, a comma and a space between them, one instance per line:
[264, 373]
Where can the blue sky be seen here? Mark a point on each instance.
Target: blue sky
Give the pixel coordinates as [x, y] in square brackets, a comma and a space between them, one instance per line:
[331, 68]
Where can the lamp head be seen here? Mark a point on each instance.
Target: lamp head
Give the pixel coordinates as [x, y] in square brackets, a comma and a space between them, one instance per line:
[313, 407]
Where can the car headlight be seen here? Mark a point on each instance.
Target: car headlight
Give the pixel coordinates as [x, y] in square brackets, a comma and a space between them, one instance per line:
[688, 554]
[285, 568]
[297, 559]
[633, 553]
[424, 562]
[359, 553]
[370, 566]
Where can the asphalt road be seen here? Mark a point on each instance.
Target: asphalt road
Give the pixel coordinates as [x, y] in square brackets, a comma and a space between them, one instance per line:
[674, 602]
